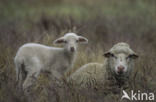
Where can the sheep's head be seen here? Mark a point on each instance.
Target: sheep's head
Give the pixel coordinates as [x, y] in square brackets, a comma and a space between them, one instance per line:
[121, 59]
[70, 41]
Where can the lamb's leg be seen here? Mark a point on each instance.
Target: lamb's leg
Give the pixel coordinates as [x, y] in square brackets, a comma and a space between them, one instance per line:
[20, 74]
[29, 81]
[33, 70]
[20, 80]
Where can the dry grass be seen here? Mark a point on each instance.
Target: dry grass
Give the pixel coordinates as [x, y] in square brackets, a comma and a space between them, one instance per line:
[135, 26]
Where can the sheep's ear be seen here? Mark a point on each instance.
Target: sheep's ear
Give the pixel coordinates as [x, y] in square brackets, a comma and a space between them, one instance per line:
[134, 56]
[59, 41]
[82, 40]
[108, 54]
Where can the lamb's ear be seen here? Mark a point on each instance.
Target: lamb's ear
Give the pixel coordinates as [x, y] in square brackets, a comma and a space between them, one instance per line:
[134, 56]
[59, 41]
[82, 40]
[108, 54]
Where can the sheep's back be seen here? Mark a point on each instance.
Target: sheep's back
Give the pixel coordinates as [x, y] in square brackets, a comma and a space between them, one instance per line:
[88, 75]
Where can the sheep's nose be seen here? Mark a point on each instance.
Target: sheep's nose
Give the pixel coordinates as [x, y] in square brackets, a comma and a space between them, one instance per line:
[121, 68]
[72, 49]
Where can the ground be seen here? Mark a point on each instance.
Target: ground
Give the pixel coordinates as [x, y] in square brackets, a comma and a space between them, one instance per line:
[104, 23]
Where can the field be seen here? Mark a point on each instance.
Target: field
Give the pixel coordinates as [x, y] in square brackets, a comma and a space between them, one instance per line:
[104, 23]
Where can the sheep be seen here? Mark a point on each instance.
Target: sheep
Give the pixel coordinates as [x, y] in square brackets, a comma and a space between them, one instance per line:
[95, 79]
[31, 58]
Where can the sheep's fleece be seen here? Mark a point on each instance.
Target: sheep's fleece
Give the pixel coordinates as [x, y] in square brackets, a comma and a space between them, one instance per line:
[95, 78]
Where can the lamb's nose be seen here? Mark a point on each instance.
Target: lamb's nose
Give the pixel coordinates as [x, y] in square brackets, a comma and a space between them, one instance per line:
[120, 68]
[72, 49]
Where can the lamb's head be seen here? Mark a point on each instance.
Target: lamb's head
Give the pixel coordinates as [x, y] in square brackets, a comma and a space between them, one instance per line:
[71, 41]
[121, 59]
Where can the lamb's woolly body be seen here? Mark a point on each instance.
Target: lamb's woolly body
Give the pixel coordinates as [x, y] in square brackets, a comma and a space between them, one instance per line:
[32, 58]
[36, 55]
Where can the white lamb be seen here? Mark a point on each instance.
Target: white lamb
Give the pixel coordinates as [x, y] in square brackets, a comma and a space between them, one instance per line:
[105, 78]
[31, 58]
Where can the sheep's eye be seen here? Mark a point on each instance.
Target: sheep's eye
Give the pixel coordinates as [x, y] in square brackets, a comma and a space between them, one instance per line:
[65, 41]
[108, 54]
[77, 41]
[112, 55]
[133, 56]
[129, 57]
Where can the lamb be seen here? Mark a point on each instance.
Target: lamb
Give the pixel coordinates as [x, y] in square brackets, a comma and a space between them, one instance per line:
[99, 79]
[32, 58]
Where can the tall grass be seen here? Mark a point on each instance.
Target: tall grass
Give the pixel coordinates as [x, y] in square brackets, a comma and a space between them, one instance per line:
[104, 23]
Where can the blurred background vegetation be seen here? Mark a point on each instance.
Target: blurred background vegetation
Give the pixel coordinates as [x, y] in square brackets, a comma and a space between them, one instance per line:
[103, 22]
